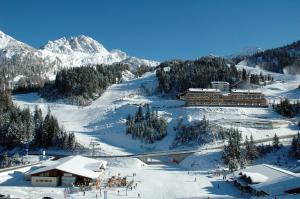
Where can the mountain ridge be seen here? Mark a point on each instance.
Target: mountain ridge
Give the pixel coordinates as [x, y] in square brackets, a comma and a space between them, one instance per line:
[19, 58]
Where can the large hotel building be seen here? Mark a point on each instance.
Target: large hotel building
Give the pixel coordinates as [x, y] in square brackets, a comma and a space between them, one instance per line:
[214, 97]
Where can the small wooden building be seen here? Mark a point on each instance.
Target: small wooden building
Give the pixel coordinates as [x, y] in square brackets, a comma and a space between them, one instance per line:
[72, 170]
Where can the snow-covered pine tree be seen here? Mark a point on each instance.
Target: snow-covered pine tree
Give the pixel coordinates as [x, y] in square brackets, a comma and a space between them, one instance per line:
[251, 149]
[276, 143]
[71, 141]
[148, 127]
[233, 164]
[139, 115]
[295, 146]
[243, 159]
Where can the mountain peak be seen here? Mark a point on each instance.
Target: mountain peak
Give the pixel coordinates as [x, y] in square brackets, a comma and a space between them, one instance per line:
[4, 39]
[8, 42]
[81, 43]
[66, 52]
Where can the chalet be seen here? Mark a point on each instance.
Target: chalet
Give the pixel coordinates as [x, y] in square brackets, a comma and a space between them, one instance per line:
[267, 180]
[67, 171]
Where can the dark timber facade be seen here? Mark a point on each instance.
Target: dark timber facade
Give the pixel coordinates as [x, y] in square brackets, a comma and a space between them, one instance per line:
[214, 97]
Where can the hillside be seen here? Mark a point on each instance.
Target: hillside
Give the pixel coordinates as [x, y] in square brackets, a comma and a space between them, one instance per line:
[285, 59]
[105, 118]
[104, 121]
[178, 76]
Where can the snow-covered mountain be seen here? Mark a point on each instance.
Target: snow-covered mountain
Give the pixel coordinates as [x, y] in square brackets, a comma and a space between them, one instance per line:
[18, 58]
[12, 50]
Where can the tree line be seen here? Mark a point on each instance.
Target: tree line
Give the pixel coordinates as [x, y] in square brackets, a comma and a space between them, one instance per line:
[18, 127]
[259, 79]
[198, 133]
[83, 84]
[286, 108]
[6, 161]
[29, 66]
[238, 154]
[278, 59]
[146, 125]
[178, 76]
[142, 70]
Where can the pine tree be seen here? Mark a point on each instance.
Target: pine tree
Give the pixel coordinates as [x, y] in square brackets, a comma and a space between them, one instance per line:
[28, 125]
[71, 141]
[149, 127]
[147, 116]
[244, 75]
[297, 152]
[46, 134]
[139, 115]
[232, 151]
[128, 120]
[243, 159]
[16, 159]
[5, 159]
[295, 146]
[276, 143]
[251, 149]
[233, 164]
[19, 127]
[39, 134]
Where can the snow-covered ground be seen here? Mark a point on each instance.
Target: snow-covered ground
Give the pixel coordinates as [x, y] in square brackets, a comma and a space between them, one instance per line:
[193, 178]
[153, 181]
[104, 121]
[285, 86]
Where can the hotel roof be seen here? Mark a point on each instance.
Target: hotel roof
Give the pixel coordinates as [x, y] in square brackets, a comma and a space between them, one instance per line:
[219, 82]
[245, 91]
[204, 90]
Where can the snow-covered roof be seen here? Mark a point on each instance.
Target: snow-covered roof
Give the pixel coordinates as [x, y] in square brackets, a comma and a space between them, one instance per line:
[245, 91]
[270, 179]
[77, 165]
[219, 82]
[204, 90]
[255, 177]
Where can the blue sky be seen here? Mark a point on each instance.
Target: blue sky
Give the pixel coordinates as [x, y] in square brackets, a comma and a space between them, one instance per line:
[157, 29]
